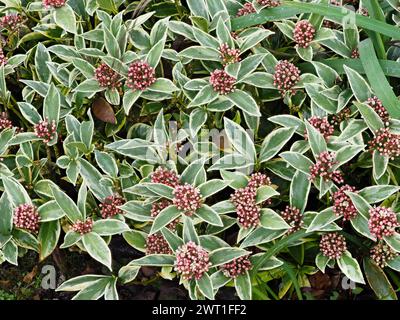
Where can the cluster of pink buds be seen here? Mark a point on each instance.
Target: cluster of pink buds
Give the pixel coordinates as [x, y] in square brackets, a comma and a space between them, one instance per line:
[342, 204]
[286, 76]
[187, 198]
[355, 54]
[156, 244]
[3, 58]
[323, 168]
[158, 206]
[376, 104]
[332, 245]
[11, 22]
[53, 3]
[322, 125]
[229, 55]
[269, 3]
[382, 222]
[258, 179]
[165, 176]
[46, 130]
[192, 261]
[26, 216]
[344, 114]
[244, 199]
[248, 213]
[293, 218]
[303, 34]
[247, 8]
[5, 123]
[222, 82]
[83, 227]
[385, 143]
[140, 75]
[107, 77]
[236, 267]
[109, 207]
[382, 254]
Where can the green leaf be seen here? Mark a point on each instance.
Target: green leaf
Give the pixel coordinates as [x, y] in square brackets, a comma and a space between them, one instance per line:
[198, 118]
[299, 191]
[51, 105]
[260, 80]
[48, 238]
[305, 53]
[371, 118]
[29, 112]
[211, 187]
[245, 102]
[224, 34]
[393, 241]
[155, 260]
[136, 239]
[205, 286]
[360, 87]
[321, 262]
[6, 217]
[224, 255]
[65, 17]
[378, 79]
[109, 227]
[274, 142]
[25, 239]
[189, 231]
[70, 239]
[160, 189]
[264, 193]
[129, 99]
[297, 161]
[67, 205]
[350, 267]
[80, 282]
[154, 55]
[111, 44]
[292, 8]
[374, 194]
[166, 216]
[269, 219]
[204, 96]
[10, 252]
[355, 127]
[378, 281]
[42, 56]
[360, 203]
[316, 139]
[163, 85]
[16, 193]
[379, 164]
[322, 219]
[173, 240]
[243, 286]
[89, 86]
[360, 224]
[209, 215]
[92, 176]
[240, 139]
[107, 163]
[201, 53]
[97, 248]
[128, 273]
[94, 291]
